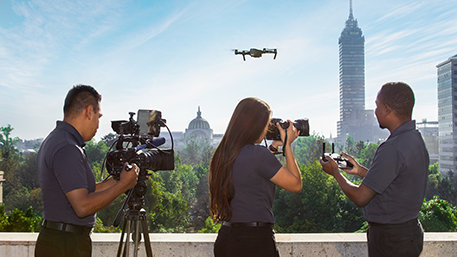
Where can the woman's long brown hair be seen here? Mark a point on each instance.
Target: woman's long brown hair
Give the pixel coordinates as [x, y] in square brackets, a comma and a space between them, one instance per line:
[247, 124]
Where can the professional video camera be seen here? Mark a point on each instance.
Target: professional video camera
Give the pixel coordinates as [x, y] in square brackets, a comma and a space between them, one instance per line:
[273, 133]
[135, 146]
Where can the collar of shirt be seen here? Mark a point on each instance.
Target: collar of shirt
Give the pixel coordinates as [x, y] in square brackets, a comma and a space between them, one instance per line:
[70, 129]
[407, 126]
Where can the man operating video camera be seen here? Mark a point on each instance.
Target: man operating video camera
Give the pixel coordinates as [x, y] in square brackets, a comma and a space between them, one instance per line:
[70, 195]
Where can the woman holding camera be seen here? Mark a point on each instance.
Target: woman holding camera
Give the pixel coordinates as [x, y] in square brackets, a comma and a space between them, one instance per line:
[242, 179]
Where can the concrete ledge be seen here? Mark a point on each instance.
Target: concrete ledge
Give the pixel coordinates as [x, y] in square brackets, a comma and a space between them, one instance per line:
[201, 245]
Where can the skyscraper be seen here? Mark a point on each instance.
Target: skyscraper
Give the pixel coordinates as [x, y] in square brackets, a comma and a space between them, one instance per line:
[447, 114]
[354, 121]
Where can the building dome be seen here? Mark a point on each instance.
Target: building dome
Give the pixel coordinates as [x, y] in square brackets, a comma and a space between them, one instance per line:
[199, 122]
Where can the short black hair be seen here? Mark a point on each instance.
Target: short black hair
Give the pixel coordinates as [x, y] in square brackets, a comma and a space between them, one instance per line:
[399, 96]
[79, 97]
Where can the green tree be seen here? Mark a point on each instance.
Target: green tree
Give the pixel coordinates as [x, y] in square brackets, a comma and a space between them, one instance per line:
[433, 181]
[109, 139]
[367, 154]
[166, 206]
[444, 186]
[27, 172]
[19, 221]
[197, 151]
[10, 161]
[309, 149]
[199, 206]
[320, 207]
[438, 215]
[100, 228]
[349, 147]
[210, 226]
[7, 142]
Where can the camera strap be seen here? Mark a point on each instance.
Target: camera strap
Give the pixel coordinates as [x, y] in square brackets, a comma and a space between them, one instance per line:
[284, 146]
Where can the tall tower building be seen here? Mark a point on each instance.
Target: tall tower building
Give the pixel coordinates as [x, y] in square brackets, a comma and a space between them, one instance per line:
[354, 121]
[352, 68]
[447, 114]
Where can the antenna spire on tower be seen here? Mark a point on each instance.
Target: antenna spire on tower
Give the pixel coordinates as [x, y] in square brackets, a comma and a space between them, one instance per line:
[350, 10]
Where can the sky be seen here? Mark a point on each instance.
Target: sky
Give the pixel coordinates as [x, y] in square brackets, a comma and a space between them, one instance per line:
[176, 55]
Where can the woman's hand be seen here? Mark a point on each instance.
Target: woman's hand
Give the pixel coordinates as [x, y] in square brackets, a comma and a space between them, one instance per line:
[292, 132]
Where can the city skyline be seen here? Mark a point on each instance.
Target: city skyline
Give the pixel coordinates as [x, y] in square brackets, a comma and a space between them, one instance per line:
[174, 56]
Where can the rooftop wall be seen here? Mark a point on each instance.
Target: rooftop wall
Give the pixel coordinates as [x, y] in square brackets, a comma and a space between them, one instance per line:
[201, 245]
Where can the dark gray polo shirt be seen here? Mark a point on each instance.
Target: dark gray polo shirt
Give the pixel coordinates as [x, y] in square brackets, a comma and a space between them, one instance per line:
[398, 175]
[63, 167]
[252, 170]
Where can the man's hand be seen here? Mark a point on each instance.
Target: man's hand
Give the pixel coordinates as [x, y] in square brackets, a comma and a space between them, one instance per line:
[130, 177]
[85, 203]
[329, 165]
[358, 169]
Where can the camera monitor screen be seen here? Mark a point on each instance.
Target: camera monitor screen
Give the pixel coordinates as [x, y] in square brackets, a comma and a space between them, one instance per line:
[142, 119]
[149, 122]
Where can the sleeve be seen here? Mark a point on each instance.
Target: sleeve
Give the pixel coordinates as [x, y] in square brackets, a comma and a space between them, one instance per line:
[268, 165]
[384, 168]
[70, 168]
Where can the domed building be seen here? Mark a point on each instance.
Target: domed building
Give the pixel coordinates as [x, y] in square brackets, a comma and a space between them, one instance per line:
[199, 129]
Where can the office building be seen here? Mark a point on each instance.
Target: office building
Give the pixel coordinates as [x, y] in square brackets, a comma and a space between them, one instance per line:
[447, 114]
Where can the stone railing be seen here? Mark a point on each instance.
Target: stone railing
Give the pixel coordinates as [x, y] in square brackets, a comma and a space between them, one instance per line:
[184, 245]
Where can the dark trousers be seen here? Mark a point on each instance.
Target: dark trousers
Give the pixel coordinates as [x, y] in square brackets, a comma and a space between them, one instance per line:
[405, 240]
[245, 241]
[57, 243]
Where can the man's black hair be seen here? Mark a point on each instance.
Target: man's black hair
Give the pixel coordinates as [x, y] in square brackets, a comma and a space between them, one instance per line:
[399, 96]
[79, 97]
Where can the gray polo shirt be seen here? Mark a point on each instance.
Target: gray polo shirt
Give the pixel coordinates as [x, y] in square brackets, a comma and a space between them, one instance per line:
[252, 170]
[398, 175]
[63, 167]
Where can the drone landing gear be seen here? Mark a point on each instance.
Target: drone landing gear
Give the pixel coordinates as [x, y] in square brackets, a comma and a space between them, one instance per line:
[137, 216]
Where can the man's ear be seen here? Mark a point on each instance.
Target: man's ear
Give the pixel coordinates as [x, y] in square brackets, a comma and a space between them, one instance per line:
[388, 109]
[89, 111]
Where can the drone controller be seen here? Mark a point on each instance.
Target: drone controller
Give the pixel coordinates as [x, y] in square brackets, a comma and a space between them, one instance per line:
[343, 163]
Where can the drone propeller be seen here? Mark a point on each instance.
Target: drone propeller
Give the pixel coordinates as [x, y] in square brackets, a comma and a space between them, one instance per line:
[243, 52]
[272, 51]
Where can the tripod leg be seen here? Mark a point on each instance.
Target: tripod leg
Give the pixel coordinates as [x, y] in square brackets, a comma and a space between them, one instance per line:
[127, 240]
[137, 238]
[147, 242]
[121, 242]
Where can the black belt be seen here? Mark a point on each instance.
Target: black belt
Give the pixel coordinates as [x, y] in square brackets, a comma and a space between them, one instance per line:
[246, 224]
[407, 223]
[66, 227]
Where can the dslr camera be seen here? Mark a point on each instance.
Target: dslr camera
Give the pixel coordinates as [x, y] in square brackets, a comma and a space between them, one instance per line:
[302, 125]
[137, 144]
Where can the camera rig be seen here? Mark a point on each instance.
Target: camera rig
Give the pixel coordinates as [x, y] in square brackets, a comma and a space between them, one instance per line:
[132, 147]
[142, 150]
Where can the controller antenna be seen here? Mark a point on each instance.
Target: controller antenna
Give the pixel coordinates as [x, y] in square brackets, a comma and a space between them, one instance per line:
[323, 151]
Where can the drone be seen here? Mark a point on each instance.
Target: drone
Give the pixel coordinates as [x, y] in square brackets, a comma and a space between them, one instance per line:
[256, 53]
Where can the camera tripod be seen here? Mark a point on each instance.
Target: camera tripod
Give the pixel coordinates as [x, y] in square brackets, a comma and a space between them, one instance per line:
[133, 216]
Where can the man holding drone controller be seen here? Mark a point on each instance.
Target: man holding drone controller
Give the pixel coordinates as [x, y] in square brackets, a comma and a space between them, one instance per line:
[70, 195]
[393, 188]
